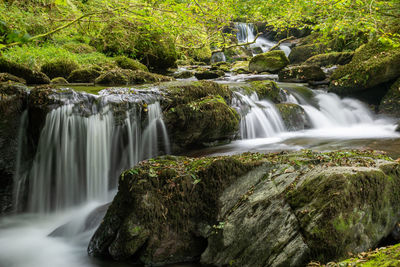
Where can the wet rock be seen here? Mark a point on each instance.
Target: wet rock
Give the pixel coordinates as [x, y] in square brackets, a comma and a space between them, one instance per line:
[31, 77]
[267, 90]
[59, 81]
[13, 101]
[59, 68]
[224, 66]
[87, 75]
[293, 116]
[218, 57]
[390, 103]
[272, 61]
[280, 209]
[301, 73]
[330, 59]
[205, 74]
[5, 77]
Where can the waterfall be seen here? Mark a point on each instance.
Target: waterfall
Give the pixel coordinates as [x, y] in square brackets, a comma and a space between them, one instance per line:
[246, 34]
[79, 158]
[260, 118]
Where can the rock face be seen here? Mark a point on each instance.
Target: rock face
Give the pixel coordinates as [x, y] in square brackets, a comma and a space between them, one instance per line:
[371, 67]
[301, 73]
[13, 100]
[31, 77]
[198, 113]
[390, 103]
[280, 209]
[272, 61]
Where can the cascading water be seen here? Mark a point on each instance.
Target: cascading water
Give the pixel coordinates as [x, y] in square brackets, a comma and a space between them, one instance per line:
[246, 34]
[260, 119]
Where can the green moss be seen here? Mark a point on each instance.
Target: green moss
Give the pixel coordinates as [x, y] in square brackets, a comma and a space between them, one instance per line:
[372, 64]
[31, 77]
[301, 73]
[385, 257]
[329, 59]
[390, 104]
[59, 80]
[129, 77]
[88, 89]
[131, 64]
[241, 67]
[272, 61]
[59, 68]
[79, 48]
[267, 89]
[301, 53]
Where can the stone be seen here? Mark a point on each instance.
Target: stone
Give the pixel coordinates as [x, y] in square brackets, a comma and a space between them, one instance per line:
[293, 116]
[272, 61]
[59, 68]
[5, 77]
[301, 73]
[129, 77]
[59, 81]
[390, 103]
[205, 74]
[240, 67]
[87, 75]
[300, 54]
[30, 76]
[130, 64]
[330, 59]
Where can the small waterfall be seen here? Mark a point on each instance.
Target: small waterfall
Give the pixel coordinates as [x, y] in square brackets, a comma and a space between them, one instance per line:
[260, 118]
[246, 34]
[79, 158]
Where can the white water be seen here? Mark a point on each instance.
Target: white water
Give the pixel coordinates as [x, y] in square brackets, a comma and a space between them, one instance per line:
[246, 34]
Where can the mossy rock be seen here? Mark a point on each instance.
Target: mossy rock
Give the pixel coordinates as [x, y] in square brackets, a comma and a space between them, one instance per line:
[272, 61]
[200, 55]
[59, 81]
[206, 74]
[293, 116]
[224, 66]
[372, 66]
[390, 103]
[5, 77]
[87, 75]
[230, 209]
[267, 90]
[240, 67]
[330, 59]
[30, 76]
[130, 64]
[79, 48]
[237, 53]
[301, 73]
[300, 54]
[130, 77]
[59, 68]
[184, 74]
[203, 121]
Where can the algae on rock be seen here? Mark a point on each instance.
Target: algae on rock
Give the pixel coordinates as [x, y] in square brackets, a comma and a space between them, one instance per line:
[272, 61]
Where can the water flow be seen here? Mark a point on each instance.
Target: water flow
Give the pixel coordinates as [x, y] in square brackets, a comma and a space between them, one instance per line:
[259, 118]
[246, 34]
[79, 158]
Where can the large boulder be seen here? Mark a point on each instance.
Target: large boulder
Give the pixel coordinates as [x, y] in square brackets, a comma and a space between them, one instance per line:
[13, 101]
[301, 53]
[301, 73]
[280, 209]
[266, 90]
[206, 74]
[272, 61]
[59, 68]
[30, 76]
[330, 59]
[293, 116]
[240, 67]
[372, 67]
[198, 113]
[87, 75]
[390, 103]
[129, 77]
[130, 64]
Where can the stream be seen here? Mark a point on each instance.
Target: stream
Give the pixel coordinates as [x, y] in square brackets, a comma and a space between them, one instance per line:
[79, 158]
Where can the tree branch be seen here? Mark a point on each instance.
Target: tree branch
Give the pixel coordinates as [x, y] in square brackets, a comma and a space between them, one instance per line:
[280, 42]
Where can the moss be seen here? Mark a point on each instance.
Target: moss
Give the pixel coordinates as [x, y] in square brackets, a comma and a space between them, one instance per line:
[201, 55]
[272, 61]
[129, 77]
[330, 59]
[88, 89]
[205, 74]
[59, 80]
[4, 77]
[183, 74]
[131, 64]
[372, 64]
[59, 68]
[301, 53]
[201, 121]
[79, 48]
[31, 77]
[267, 89]
[224, 66]
[87, 75]
[240, 67]
[390, 103]
[293, 116]
[302, 73]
